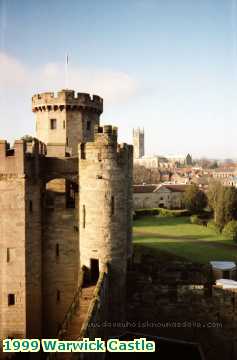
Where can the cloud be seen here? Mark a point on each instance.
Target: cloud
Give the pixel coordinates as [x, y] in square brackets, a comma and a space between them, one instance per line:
[113, 86]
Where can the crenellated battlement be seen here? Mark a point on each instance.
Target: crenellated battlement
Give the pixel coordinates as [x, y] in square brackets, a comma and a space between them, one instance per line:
[13, 160]
[66, 100]
[105, 146]
[105, 135]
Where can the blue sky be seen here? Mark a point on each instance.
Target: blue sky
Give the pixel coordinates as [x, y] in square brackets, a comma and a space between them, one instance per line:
[166, 65]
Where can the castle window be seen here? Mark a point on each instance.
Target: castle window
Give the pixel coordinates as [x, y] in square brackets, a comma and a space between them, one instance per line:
[112, 206]
[58, 296]
[84, 216]
[76, 229]
[10, 254]
[64, 124]
[83, 153]
[53, 124]
[88, 125]
[31, 206]
[11, 299]
[57, 250]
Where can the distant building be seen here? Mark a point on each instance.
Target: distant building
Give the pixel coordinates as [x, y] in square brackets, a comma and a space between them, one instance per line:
[138, 143]
[170, 196]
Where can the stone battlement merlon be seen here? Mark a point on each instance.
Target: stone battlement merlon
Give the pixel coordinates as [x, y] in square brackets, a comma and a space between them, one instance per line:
[66, 100]
[13, 160]
[106, 134]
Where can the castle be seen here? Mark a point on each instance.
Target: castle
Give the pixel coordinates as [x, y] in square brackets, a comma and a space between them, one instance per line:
[66, 204]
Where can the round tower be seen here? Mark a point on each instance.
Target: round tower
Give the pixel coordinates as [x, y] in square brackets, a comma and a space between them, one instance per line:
[105, 211]
[66, 119]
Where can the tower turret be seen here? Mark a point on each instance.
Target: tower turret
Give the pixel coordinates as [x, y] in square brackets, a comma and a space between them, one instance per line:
[64, 120]
[104, 208]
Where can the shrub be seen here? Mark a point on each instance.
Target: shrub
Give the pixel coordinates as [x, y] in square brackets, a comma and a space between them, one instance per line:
[230, 230]
[194, 219]
[161, 212]
[213, 226]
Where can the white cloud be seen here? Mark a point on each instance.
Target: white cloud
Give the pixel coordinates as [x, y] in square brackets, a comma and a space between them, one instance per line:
[113, 86]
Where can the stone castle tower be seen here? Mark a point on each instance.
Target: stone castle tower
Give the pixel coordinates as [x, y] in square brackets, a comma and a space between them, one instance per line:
[138, 143]
[65, 121]
[62, 210]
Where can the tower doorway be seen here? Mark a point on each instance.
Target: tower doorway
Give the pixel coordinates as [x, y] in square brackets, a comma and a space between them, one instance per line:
[94, 270]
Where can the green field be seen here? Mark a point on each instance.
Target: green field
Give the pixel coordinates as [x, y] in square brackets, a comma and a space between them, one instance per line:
[177, 237]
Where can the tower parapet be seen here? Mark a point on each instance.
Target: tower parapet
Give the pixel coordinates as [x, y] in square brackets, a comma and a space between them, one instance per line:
[66, 100]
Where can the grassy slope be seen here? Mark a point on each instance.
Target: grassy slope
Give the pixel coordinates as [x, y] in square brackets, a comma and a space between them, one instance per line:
[178, 237]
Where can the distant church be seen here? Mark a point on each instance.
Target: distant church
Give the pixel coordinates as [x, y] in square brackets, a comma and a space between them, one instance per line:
[138, 143]
[155, 161]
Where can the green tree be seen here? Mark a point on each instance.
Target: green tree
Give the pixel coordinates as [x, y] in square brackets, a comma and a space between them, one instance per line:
[230, 230]
[223, 201]
[214, 190]
[195, 200]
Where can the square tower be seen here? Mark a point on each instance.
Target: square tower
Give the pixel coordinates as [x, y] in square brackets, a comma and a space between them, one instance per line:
[138, 143]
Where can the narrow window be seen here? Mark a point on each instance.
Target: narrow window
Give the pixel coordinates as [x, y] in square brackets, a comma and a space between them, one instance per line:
[64, 124]
[76, 229]
[88, 125]
[99, 156]
[8, 255]
[84, 216]
[83, 154]
[11, 253]
[11, 299]
[53, 124]
[67, 141]
[31, 206]
[112, 206]
[58, 296]
[57, 250]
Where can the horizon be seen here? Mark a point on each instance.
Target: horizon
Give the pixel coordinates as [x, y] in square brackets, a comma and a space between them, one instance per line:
[168, 67]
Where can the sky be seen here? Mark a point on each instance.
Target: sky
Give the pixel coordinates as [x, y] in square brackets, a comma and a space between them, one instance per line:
[168, 66]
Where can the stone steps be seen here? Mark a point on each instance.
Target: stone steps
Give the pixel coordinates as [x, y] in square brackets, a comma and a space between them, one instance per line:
[74, 328]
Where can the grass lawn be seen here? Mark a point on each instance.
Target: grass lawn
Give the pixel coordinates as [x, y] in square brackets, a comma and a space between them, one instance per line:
[177, 236]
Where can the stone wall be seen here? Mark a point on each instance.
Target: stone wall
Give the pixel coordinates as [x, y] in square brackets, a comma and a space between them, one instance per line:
[20, 240]
[60, 254]
[177, 300]
[161, 198]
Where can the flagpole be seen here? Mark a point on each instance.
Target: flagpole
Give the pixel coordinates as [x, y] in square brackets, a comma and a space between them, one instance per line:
[66, 72]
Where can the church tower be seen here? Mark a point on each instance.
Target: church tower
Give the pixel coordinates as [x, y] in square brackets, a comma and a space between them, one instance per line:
[138, 143]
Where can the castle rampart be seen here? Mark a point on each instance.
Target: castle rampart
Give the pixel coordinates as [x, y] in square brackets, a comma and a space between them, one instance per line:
[66, 100]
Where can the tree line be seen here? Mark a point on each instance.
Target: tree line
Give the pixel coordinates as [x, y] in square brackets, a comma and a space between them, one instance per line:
[220, 200]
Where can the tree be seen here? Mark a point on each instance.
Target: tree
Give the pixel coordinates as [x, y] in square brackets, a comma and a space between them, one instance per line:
[223, 201]
[195, 200]
[214, 189]
[230, 230]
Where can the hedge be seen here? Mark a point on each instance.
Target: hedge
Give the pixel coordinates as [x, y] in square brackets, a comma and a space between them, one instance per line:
[161, 212]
